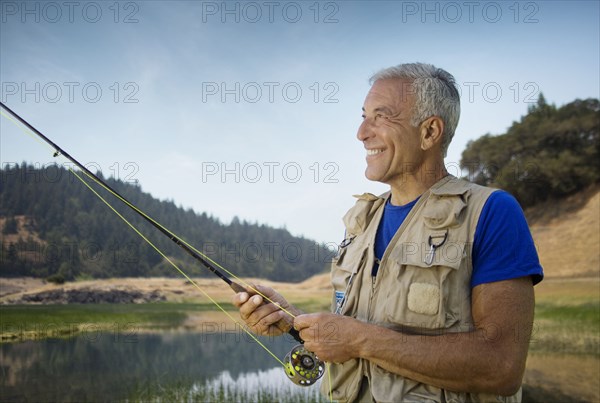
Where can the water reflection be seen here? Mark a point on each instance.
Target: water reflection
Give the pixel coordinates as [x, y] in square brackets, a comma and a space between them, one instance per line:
[111, 366]
[272, 382]
[108, 367]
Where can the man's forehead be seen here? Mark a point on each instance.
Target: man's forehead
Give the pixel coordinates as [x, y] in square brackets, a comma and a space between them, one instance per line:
[389, 92]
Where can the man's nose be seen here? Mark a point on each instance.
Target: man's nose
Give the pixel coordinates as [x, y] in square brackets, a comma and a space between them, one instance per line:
[365, 130]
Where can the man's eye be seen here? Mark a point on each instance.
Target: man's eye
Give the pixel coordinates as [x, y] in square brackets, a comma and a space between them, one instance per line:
[363, 116]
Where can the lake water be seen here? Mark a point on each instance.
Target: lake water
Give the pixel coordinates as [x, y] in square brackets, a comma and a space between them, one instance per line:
[111, 366]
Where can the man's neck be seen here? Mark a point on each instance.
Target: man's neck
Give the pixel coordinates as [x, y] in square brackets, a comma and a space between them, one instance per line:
[413, 185]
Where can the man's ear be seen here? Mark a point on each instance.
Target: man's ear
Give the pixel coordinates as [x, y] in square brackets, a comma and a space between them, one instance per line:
[431, 131]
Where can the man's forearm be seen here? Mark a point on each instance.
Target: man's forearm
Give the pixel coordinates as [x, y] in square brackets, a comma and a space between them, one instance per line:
[462, 362]
[489, 359]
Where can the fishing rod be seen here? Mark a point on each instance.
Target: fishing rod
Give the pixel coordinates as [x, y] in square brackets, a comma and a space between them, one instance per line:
[302, 367]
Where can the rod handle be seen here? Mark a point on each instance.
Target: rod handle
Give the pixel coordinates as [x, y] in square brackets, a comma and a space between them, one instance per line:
[296, 335]
[236, 287]
[293, 332]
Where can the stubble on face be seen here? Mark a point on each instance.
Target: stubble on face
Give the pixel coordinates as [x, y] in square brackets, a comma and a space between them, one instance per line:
[392, 143]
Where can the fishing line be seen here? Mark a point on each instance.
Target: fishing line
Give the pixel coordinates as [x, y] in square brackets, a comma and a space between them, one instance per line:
[158, 250]
[301, 365]
[195, 253]
[176, 267]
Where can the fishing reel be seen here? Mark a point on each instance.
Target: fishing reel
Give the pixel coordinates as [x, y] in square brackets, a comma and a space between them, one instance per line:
[303, 367]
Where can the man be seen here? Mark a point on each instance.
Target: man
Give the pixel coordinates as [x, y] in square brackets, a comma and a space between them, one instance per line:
[434, 280]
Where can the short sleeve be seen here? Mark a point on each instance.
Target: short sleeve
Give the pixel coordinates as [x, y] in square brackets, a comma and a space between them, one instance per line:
[503, 247]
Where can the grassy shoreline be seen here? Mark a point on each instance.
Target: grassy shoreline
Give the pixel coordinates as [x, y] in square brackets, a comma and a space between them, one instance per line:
[37, 322]
[565, 341]
[567, 317]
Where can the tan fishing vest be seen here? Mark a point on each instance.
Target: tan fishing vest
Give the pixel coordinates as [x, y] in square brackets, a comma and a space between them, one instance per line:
[414, 291]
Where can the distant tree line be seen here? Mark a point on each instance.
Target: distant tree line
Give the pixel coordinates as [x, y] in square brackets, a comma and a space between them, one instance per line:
[550, 153]
[80, 237]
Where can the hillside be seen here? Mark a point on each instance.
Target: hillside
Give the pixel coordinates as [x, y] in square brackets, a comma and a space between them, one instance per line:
[43, 223]
[53, 226]
[550, 153]
[548, 160]
[567, 234]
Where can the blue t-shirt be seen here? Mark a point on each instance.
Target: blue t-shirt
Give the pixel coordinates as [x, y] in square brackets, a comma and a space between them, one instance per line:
[503, 248]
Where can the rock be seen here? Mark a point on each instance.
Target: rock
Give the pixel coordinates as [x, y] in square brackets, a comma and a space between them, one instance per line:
[90, 296]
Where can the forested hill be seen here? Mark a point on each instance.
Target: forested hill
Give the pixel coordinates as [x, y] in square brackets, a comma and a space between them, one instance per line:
[53, 226]
[549, 154]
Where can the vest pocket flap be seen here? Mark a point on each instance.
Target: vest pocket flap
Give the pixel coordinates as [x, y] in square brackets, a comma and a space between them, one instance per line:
[350, 259]
[343, 272]
[449, 255]
[443, 211]
[445, 191]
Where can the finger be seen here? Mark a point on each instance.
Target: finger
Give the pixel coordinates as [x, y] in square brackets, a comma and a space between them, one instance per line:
[266, 292]
[303, 321]
[261, 312]
[271, 323]
[263, 289]
[251, 288]
[248, 308]
[240, 298]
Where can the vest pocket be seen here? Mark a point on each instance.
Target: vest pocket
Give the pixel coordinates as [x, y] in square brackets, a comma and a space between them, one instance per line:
[419, 295]
[344, 277]
[389, 387]
[345, 381]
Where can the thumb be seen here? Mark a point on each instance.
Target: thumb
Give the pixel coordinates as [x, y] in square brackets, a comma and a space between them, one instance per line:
[303, 321]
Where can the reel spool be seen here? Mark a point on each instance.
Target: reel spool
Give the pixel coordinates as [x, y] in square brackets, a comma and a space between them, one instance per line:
[302, 366]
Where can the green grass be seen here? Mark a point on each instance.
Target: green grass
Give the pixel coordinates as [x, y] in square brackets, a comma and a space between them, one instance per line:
[567, 325]
[573, 329]
[18, 322]
[314, 305]
[584, 314]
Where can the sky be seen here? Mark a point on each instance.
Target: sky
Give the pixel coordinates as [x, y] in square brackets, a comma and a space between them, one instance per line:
[250, 109]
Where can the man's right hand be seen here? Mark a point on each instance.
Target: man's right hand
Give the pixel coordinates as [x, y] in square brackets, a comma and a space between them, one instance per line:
[264, 317]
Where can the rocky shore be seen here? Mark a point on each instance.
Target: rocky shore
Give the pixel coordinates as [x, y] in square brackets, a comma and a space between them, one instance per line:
[32, 291]
[87, 296]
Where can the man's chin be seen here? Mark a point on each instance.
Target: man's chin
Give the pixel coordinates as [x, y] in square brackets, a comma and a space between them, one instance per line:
[374, 177]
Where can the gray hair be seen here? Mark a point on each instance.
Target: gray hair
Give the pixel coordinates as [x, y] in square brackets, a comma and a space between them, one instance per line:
[435, 93]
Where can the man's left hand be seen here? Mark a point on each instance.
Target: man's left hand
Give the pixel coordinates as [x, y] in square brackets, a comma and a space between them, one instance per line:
[331, 337]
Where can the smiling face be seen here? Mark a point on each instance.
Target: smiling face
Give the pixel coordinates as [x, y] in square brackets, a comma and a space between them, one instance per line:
[393, 145]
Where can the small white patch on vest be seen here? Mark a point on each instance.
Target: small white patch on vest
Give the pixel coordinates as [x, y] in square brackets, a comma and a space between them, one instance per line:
[424, 298]
[339, 297]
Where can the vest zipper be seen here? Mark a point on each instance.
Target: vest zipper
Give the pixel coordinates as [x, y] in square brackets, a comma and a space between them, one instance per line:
[394, 240]
[410, 216]
[373, 280]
